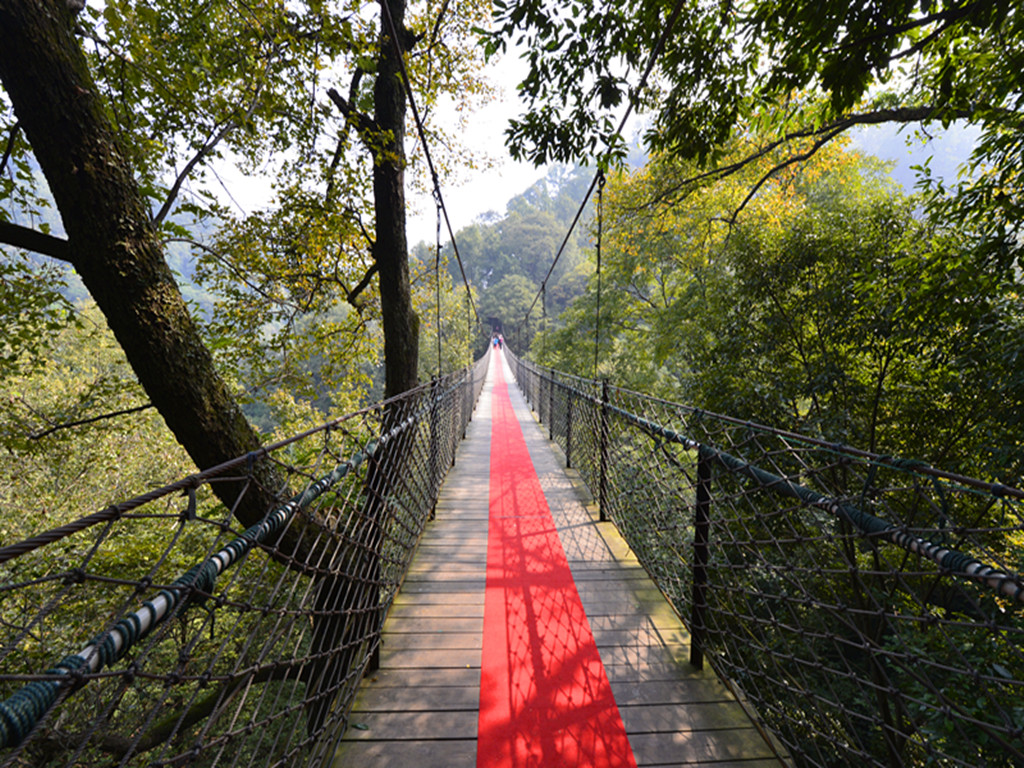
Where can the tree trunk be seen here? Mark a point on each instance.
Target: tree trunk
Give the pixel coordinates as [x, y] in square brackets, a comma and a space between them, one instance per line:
[112, 244]
[348, 614]
[390, 249]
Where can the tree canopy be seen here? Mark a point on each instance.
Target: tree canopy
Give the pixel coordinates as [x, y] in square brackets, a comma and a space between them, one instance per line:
[309, 100]
[784, 71]
[829, 307]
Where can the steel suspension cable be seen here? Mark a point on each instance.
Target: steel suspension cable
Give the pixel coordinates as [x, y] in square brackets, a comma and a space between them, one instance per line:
[634, 97]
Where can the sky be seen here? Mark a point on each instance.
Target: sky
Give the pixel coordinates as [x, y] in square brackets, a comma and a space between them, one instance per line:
[490, 190]
[948, 149]
[482, 191]
[486, 190]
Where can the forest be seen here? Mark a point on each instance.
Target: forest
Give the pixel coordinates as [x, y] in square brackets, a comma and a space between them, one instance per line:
[753, 262]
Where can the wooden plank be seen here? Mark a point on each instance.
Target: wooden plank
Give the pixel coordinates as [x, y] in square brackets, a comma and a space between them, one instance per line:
[758, 762]
[417, 725]
[443, 583]
[440, 598]
[676, 641]
[432, 641]
[428, 697]
[671, 718]
[700, 747]
[420, 754]
[697, 690]
[428, 658]
[633, 621]
[654, 672]
[429, 625]
[424, 609]
[416, 679]
[421, 707]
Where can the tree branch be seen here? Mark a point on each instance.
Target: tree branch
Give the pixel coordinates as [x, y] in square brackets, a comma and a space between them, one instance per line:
[353, 87]
[436, 31]
[353, 92]
[205, 150]
[33, 240]
[238, 273]
[364, 123]
[226, 128]
[832, 129]
[798, 158]
[333, 168]
[949, 16]
[91, 420]
[10, 145]
[353, 295]
[362, 228]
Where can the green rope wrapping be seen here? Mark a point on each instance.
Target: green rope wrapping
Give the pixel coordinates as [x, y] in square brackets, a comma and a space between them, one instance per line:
[948, 559]
[20, 713]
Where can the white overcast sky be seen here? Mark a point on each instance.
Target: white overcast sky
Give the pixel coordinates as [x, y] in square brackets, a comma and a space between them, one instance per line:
[482, 190]
[489, 189]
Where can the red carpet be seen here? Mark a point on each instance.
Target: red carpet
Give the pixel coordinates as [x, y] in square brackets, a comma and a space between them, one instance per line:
[545, 700]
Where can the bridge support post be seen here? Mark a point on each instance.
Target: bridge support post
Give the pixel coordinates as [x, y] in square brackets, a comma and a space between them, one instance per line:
[551, 406]
[568, 428]
[457, 419]
[541, 400]
[701, 526]
[467, 400]
[435, 444]
[602, 494]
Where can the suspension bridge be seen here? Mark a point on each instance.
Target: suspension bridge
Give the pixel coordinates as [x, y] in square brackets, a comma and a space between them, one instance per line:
[610, 580]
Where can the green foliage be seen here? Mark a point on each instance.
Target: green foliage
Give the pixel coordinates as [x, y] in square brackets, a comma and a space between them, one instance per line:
[51, 474]
[291, 311]
[509, 301]
[460, 332]
[779, 70]
[523, 243]
[828, 308]
[32, 309]
[280, 320]
[197, 90]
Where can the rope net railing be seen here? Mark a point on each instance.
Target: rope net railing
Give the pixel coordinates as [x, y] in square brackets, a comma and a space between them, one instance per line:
[162, 632]
[870, 610]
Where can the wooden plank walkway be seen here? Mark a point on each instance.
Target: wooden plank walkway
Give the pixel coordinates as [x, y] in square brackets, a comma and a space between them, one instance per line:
[421, 708]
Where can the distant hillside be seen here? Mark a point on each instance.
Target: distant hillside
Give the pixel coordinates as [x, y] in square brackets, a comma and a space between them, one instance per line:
[945, 151]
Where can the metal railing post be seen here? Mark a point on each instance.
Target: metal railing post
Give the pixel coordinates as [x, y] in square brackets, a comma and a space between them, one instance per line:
[542, 401]
[701, 525]
[602, 495]
[454, 422]
[467, 400]
[538, 397]
[435, 444]
[551, 406]
[568, 428]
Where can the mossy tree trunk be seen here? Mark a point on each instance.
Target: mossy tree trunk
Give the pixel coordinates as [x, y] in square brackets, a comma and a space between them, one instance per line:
[390, 249]
[111, 242]
[348, 618]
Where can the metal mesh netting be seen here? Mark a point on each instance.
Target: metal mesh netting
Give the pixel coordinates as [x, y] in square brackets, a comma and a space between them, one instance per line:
[159, 632]
[868, 608]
